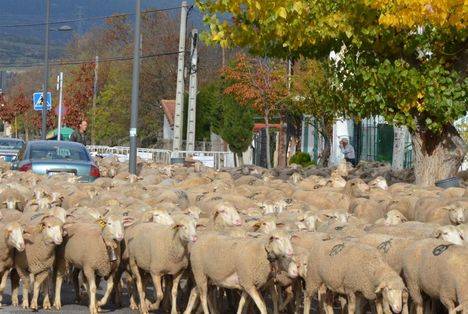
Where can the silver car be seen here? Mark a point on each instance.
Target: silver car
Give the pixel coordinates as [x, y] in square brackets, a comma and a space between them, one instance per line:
[54, 157]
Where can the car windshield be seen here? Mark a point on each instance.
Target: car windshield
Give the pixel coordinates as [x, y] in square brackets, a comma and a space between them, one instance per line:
[58, 152]
[10, 144]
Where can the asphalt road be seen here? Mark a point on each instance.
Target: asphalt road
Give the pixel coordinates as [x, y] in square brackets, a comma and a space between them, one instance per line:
[68, 305]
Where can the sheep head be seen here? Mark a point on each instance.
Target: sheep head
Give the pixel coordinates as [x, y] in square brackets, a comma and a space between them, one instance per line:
[449, 234]
[51, 228]
[279, 245]
[456, 213]
[379, 183]
[14, 236]
[394, 217]
[186, 228]
[392, 289]
[227, 214]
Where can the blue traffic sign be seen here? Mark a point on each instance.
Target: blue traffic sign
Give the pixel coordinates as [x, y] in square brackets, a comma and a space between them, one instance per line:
[38, 101]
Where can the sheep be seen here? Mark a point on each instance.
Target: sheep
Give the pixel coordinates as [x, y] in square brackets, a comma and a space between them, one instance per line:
[438, 269]
[88, 247]
[160, 250]
[236, 264]
[452, 213]
[347, 268]
[392, 218]
[366, 210]
[378, 183]
[356, 188]
[11, 239]
[223, 214]
[12, 199]
[36, 259]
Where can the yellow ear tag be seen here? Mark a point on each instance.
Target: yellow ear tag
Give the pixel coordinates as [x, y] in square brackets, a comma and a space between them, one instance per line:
[102, 223]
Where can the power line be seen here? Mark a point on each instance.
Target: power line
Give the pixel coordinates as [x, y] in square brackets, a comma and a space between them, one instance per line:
[87, 18]
[111, 59]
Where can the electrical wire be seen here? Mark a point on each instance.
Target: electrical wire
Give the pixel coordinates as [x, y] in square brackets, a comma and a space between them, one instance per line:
[111, 59]
[86, 18]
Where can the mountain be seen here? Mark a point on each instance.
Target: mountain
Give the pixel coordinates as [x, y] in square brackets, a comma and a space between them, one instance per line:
[25, 43]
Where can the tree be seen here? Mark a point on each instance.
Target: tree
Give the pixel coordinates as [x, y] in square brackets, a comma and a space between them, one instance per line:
[315, 93]
[226, 117]
[414, 52]
[259, 84]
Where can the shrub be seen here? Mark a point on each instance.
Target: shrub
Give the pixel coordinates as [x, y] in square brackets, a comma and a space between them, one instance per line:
[302, 159]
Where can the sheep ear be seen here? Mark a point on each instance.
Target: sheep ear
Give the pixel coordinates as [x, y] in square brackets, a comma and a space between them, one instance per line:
[437, 234]
[27, 236]
[128, 221]
[380, 287]
[176, 226]
[147, 216]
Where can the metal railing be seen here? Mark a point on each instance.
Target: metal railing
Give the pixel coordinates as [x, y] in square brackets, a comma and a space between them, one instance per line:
[156, 155]
[214, 159]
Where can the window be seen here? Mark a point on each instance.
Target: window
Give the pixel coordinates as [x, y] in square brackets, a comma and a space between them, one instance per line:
[10, 144]
[58, 152]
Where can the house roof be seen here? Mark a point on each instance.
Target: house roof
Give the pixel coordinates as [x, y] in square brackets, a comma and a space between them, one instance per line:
[261, 126]
[169, 110]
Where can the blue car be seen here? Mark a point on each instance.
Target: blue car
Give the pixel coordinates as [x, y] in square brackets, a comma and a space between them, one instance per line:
[9, 148]
[54, 157]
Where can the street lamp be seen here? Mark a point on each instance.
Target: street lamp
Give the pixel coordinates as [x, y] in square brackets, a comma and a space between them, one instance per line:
[46, 69]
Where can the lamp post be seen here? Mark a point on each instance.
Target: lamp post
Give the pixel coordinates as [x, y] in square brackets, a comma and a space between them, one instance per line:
[63, 28]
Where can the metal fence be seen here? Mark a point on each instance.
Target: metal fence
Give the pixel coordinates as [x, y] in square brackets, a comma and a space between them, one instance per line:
[156, 155]
[214, 159]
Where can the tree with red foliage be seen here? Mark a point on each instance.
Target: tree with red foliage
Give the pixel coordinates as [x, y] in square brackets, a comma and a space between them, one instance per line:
[258, 83]
[78, 94]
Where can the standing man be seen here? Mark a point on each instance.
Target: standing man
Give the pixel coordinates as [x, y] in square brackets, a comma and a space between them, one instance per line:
[80, 134]
[348, 151]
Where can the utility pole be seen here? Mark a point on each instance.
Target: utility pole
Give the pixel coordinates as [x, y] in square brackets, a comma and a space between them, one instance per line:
[192, 105]
[135, 90]
[96, 66]
[46, 73]
[60, 89]
[179, 110]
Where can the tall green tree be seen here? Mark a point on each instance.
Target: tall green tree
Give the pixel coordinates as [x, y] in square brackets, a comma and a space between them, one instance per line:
[404, 60]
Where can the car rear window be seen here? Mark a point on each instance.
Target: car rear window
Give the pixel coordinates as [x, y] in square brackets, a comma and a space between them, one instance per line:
[10, 144]
[58, 152]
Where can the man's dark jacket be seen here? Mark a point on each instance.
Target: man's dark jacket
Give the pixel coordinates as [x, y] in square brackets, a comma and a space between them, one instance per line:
[79, 137]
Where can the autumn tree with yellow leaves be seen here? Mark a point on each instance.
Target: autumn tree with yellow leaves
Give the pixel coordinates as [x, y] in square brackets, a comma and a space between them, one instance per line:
[404, 60]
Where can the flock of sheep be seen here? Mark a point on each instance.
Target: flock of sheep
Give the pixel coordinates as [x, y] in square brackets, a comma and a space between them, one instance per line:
[235, 241]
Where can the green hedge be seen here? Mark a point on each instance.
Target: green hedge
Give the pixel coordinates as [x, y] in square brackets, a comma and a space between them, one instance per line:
[302, 159]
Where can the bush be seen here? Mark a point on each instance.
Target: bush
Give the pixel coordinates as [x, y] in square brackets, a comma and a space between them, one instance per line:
[302, 159]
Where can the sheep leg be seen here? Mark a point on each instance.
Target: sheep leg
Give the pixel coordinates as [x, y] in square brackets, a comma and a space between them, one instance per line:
[253, 292]
[378, 305]
[46, 302]
[405, 302]
[91, 279]
[58, 289]
[25, 278]
[415, 294]
[76, 285]
[274, 297]
[175, 286]
[289, 297]
[241, 302]
[192, 300]
[139, 285]
[203, 290]
[14, 287]
[3, 285]
[109, 287]
[351, 303]
[158, 291]
[38, 280]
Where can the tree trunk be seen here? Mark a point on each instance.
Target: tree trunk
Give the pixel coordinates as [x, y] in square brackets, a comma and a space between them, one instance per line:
[437, 157]
[241, 159]
[398, 158]
[326, 130]
[268, 149]
[282, 145]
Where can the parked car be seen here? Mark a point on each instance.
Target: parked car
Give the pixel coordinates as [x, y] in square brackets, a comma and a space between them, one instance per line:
[9, 148]
[54, 157]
